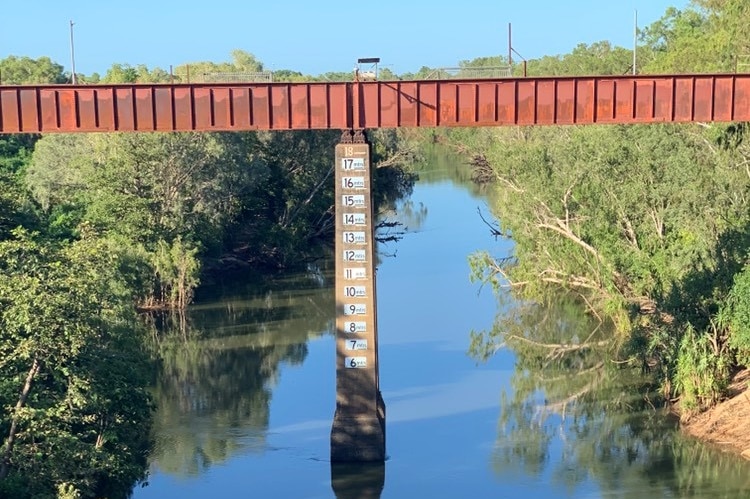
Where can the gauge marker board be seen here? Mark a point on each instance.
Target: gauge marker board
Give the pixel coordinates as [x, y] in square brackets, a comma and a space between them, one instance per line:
[355, 282]
[358, 431]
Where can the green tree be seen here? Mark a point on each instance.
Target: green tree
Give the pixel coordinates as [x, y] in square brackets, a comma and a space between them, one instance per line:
[125, 73]
[736, 315]
[685, 41]
[291, 205]
[176, 270]
[421, 74]
[73, 372]
[647, 225]
[599, 58]
[16, 70]
[147, 190]
[289, 75]
[626, 217]
[242, 62]
[730, 17]
[15, 206]
[121, 73]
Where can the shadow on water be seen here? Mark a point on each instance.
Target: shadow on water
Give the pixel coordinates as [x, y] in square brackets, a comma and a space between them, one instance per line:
[219, 362]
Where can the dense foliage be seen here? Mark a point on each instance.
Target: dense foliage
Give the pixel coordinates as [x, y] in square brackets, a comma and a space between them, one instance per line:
[74, 373]
[181, 199]
[94, 227]
[646, 225]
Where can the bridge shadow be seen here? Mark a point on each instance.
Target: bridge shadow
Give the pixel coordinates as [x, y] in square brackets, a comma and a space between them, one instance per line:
[358, 480]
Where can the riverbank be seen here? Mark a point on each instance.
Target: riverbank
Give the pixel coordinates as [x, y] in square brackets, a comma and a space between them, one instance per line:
[726, 425]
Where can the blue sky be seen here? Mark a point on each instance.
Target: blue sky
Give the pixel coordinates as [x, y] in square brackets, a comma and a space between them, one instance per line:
[312, 36]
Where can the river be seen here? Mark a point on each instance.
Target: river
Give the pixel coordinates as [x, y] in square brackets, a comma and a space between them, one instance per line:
[246, 388]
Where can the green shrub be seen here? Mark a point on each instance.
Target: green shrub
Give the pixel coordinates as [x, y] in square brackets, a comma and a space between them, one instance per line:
[738, 308]
[701, 375]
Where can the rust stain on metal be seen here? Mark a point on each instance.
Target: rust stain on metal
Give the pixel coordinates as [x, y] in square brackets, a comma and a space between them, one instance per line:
[378, 104]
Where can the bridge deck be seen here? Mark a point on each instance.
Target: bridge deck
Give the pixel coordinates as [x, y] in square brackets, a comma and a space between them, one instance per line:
[383, 104]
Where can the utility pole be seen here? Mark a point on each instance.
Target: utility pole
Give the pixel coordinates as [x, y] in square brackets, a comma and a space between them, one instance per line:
[635, 41]
[510, 46]
[74, 78]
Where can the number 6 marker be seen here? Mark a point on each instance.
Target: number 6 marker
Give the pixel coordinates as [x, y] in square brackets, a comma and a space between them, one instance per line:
[355, 362]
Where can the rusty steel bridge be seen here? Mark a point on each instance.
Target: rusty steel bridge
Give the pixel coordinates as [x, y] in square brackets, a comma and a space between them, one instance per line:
[377, 104]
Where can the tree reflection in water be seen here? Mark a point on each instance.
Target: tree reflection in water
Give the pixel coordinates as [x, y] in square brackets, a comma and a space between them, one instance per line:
[219, 362]
[574, 411]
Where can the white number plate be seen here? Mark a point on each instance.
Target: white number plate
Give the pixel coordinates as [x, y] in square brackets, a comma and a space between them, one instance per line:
[354, 291]
[354, 255]
[354, 237]
[355, 273]
[354, 219]
[355, 327]
[353, 182]
[352, 164]
[355, 362]
[355, 309]
[356, 344]
[356, 200]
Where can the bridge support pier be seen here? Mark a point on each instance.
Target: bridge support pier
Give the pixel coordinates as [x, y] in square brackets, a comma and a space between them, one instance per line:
[358, 432]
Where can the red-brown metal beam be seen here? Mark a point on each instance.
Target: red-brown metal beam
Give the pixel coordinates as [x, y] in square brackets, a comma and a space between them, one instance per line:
[305, 106]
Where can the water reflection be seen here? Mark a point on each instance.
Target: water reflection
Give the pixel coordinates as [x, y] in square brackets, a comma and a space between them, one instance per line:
[578, 417]
[357, 480]
[440, 165]
[569, 425]
[219, 363]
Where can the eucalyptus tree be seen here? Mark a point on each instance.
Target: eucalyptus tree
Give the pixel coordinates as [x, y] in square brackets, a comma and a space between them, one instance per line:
[708, 36]
[598, 58]
[629, 219]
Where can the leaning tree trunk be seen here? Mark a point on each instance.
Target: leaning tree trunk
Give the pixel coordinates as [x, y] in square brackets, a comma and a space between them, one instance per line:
[5, 465]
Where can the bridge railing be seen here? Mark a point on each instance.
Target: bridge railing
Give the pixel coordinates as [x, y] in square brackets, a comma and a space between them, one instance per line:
[488, 72]
[224, 77]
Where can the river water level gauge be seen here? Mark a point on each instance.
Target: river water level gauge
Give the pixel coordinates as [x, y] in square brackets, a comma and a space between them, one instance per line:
[358, 432]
